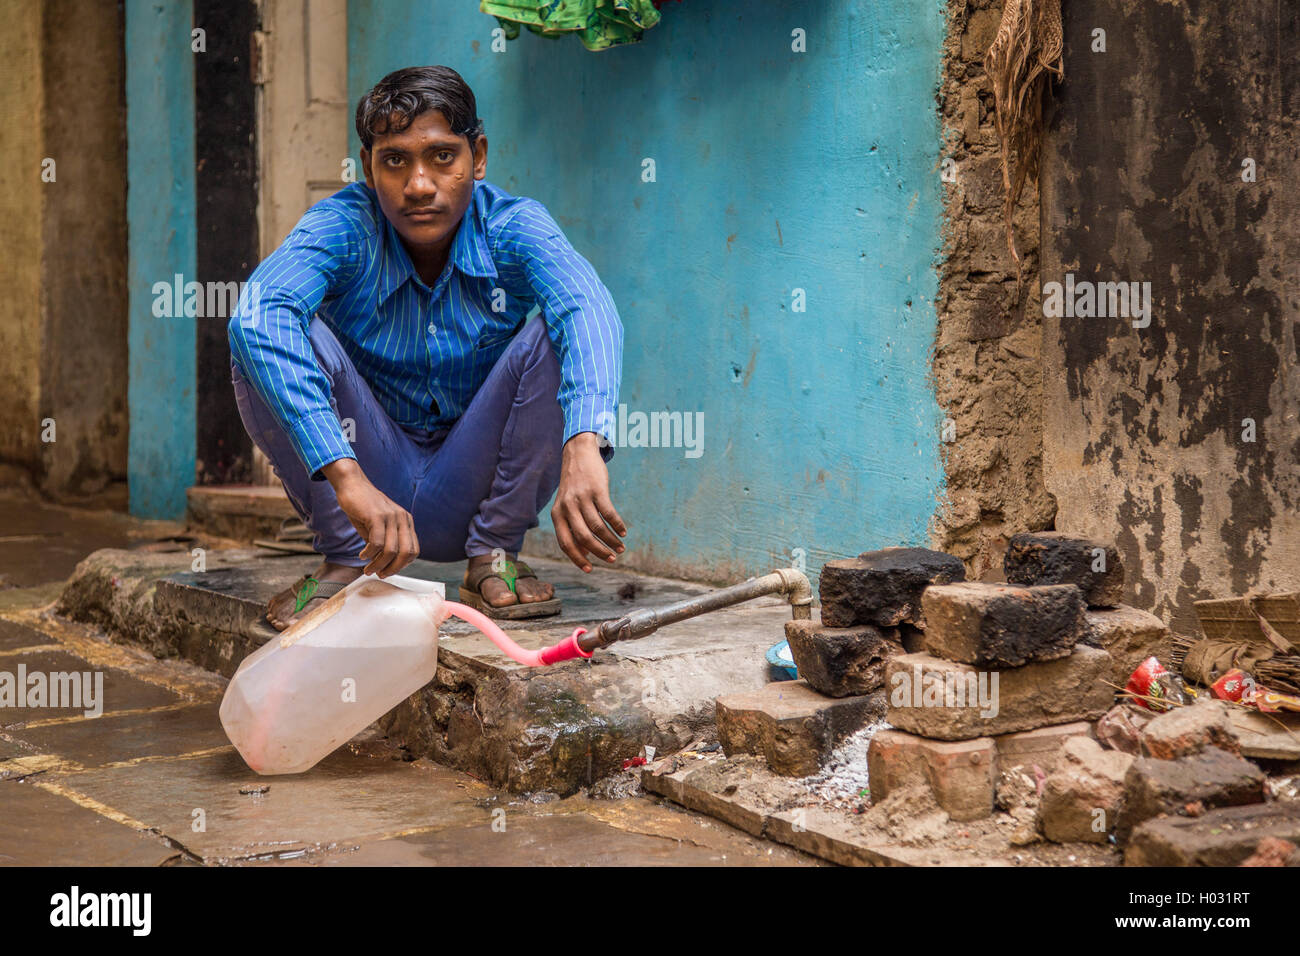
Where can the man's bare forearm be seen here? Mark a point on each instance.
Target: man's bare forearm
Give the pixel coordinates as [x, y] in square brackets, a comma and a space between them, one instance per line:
[341, 471]
[581, 442]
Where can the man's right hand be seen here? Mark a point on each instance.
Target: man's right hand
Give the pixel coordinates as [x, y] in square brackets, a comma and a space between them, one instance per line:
[387, 528]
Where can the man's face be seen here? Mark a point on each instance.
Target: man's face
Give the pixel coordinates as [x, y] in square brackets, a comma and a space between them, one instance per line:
[424, 177]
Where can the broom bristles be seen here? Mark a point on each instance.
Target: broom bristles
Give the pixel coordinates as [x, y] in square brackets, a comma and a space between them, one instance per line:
[1025, 52]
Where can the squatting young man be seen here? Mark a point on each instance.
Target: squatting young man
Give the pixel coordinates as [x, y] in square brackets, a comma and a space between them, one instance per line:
[386, 366]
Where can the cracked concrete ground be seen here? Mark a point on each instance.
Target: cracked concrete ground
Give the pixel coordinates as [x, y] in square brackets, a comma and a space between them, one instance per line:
[153, 780]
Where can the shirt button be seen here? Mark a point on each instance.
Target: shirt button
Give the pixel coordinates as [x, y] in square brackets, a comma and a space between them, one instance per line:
[432, 328]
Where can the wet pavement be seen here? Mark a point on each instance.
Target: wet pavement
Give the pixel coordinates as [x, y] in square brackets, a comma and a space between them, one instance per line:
[42, 542]
[153, 780]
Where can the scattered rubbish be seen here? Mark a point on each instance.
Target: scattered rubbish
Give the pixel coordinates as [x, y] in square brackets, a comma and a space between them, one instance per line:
[1019, 789]
[634, 762]
[1284, 788]
[1154, 687]
[1205, 661]
[1238, 686]
[294, 537]
[1122, 725]
[1257, 633]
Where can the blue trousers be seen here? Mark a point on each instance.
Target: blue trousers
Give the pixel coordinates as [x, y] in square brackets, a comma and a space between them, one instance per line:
[471, 488]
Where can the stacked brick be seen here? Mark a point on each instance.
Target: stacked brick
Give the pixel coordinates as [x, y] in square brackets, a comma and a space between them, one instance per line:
[1129, 635]
[1008, 674]
[871, 613]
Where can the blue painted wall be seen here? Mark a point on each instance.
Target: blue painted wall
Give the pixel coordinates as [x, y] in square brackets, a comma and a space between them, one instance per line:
[776, 171]
[160, 211]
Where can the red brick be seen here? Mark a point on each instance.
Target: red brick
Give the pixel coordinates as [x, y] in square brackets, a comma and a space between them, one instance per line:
[960, 774]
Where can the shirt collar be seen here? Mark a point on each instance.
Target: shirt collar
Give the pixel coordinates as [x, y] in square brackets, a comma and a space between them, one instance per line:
[469, 250]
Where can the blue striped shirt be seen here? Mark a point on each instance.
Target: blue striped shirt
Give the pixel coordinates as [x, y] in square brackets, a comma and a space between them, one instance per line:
[423, 351]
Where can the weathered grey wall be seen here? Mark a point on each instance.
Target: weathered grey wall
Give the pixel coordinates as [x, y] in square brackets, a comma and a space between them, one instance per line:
[987, 362]
[1143, 427]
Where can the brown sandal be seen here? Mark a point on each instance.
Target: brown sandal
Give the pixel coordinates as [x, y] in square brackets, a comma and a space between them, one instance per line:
[514, 570]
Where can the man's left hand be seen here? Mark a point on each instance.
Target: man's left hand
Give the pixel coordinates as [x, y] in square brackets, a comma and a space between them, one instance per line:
[584, 517]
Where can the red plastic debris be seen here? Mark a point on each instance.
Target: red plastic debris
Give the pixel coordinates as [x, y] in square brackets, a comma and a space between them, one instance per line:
[634, 762]
[1237, 685]
[1152, 680]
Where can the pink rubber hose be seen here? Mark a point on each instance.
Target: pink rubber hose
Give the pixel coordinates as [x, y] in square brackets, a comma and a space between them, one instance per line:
[567, 649]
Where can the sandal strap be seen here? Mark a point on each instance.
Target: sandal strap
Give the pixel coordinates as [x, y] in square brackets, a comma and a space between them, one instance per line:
[308, 589]
[475, 576]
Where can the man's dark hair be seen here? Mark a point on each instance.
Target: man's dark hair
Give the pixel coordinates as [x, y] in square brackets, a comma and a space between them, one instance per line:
[401, 96]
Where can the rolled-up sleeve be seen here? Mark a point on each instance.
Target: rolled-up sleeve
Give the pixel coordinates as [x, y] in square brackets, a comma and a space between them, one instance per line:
[580, 315]
[269, 337]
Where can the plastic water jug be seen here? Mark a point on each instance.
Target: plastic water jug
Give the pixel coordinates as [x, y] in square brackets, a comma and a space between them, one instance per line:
[333, 672]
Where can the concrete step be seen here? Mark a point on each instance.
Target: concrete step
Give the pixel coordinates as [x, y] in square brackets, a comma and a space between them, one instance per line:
[242, 512]
[523, 729]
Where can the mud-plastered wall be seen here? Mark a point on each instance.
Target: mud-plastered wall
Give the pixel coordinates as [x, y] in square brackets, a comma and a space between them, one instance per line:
[987, 362]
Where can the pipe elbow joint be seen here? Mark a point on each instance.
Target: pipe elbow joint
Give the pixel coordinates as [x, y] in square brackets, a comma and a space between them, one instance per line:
[795, 585]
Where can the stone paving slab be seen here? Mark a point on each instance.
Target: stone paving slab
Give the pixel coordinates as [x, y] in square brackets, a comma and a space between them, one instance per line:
[121, 691]
[9, 749]
[1267, 736]
[39, 828]
[14, 637]
[43, 541]
[361, 806]
[59, 803]
[347, 797]
[125, 807]
[1222, 837]
[589, 834]
[96, 742]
